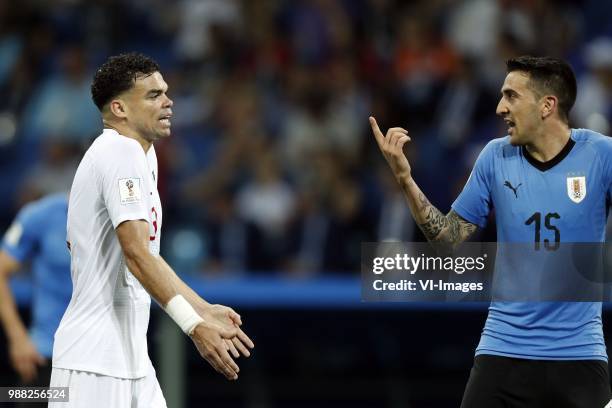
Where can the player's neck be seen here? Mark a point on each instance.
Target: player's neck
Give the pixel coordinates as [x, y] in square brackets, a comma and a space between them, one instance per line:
[549, 142]
[127, 132]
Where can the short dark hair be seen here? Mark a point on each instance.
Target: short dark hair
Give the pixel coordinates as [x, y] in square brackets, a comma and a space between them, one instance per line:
[118, 74]
[549, 76]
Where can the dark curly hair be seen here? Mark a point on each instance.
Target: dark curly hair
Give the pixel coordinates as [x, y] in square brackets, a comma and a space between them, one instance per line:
[118, 74]
[551, 76]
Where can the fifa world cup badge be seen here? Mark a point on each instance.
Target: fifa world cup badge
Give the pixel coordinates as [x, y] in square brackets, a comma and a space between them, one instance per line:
[129, 190]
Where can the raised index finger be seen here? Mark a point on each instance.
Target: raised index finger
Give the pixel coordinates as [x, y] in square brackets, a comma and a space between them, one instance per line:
[380, 138]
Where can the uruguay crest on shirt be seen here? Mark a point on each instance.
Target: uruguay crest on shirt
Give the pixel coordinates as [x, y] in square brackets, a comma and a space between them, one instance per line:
[576, 188]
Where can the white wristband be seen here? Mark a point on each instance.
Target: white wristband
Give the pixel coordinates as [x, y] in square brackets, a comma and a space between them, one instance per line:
[183, 314]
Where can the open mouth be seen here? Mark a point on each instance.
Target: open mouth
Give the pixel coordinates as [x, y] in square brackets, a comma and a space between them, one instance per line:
[165, 120]
[511, 125]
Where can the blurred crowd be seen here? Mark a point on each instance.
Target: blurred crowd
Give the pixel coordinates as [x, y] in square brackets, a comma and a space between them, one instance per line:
[271, 167]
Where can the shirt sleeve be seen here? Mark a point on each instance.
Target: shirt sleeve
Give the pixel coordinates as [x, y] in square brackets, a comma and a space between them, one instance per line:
[474, 203]
[606, 153]
[124, 186]
[21, 240]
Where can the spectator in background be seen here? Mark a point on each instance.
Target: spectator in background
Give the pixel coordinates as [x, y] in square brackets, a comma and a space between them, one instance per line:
[322, 118]
[227, 236]
[349, 227]
[422, 61]
[334, 220]
[200, 21]
[594, 102]
[24, 60]
[53, 172]
[266, 203]
[62, 105]
[395, 222]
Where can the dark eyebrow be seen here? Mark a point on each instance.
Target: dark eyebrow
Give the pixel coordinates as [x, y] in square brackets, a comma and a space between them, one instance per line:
[154, 92]
[508, 91]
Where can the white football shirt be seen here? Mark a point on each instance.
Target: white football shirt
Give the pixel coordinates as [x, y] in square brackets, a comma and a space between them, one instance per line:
[105, 325]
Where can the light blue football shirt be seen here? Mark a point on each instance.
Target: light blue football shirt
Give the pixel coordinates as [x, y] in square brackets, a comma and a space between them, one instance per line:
[568, 197]
[39, 235]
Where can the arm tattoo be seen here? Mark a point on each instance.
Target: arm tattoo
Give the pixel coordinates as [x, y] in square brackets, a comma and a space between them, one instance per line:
[450, 228]
[460, 229]
[435, 221]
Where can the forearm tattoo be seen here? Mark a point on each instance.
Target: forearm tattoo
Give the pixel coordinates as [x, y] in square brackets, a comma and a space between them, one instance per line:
[435, 221]
[450, 228]
[460, 229]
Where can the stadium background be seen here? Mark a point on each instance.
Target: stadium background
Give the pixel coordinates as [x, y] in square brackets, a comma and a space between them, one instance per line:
[271, 179]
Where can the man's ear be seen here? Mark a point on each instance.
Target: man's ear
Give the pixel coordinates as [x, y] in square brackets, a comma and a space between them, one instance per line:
[118, 108]
[549, 106]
